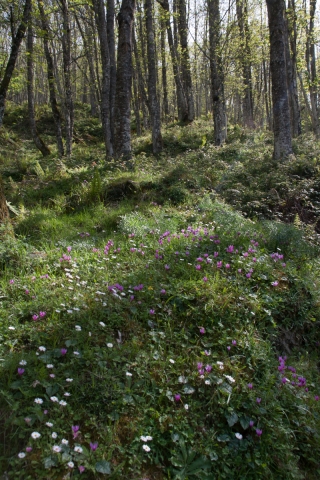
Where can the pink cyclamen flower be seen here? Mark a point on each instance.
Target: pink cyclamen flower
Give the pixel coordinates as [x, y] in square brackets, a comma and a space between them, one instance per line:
[250, 386]
[81, 469]
[35, 317]
[234, 342]
[28, 449]
[208, 368]
[94, 446]
[63, 351]
[275, 284]
[26, 292]
[259, 432]
[228, 347]
[198, 267]
[239, 270]
[167, 267]
[42, 314]
[227, 265]
[45, 412]
[202, 330]
[152, 312]
[177, 397]
[20, 371]
[69, 249]
[162, 291]
[251, 423]
[75, 428]
[316, 398]
[258, 400]
[11, 282]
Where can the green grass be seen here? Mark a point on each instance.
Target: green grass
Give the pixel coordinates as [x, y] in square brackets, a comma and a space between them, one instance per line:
[125, 267]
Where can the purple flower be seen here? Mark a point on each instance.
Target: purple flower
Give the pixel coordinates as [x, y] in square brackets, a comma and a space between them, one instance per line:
[167, 267]
[63, 351]
[20, 371]
[275, 284]
[316, 398]
[199, 365]
[81, 469]
[45, 412]
[205, 279]
[219, 264]
[234, 342]
[251, 423]
[35, 317]
[248, 275]
[250, 386]
[259, 432]
[94, 446]
[177, 397]
[202, 330]
[239, 270]
[227, 265]
[152, 312]
[26, 292]
[75, 428]
[28, 449]
[228, 347]
[198, 267]
[208, 368]
[162, 291]
[11, 282]
[69, 249]
[258, 400]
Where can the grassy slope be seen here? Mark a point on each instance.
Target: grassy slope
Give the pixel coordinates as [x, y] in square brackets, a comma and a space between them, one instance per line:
[145, 284]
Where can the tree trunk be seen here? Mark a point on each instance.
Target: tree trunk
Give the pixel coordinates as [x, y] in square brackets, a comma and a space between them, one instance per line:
[32, 121]
[245, 51]
[281, 112]
[66, 52]
[181, 98]
[164, 68]
[312, 70]
[105, 84]
[113, 66]
[185, 60]
[122, 115]
[291, 62]
[152, 81]
[16, 42]
[51, 79]
[217, 75]
[5, 222]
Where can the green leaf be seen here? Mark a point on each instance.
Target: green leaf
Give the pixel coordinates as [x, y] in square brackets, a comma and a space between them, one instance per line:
[50, 462]
[232, 419]
[223, 438]
[103, 467]
[245, 422]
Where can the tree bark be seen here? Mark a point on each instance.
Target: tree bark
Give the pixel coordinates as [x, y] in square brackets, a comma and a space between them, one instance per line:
[152, 81]
[291, 62]
[113, 65]
[181, 98]
[164, 68]
[51, 79]
[281, 112]
[185, 59]
[16, 42]
[312, 70]
[217, 74]
[122, 116]
[105, 84]
[32, 121]
[66, 52]
[247, 101]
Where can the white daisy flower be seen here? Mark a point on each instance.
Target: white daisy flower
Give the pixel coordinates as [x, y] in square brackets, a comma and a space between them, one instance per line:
[69, 380]
[146, 448]
[102, 324]
[239, 436]
[54, 435]
[78, 449]
[64, 441]
[186, 406]
[49, 424]
[62, 403]
[21, 455]
[70, 464]
[109, 345]
[38, 400]
[143, 438]
[50, 365]
[23, 362]
[42, 349]
[78, 328]
[35, 435]
[129, 374]
[56, 448]
[54, 399]
[231, 379]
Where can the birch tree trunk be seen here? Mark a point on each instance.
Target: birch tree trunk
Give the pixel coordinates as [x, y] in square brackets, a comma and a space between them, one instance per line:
[113, 65]
[32, 121]
[281, 112]
[105, 84]
[122, 114]
[152, 81]
[16, 42]
[51, 80]
[66, 52]
[247, 101]
[182, 104]
[217, 75]
[312, 70]
[164, 68]
[185, 59]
